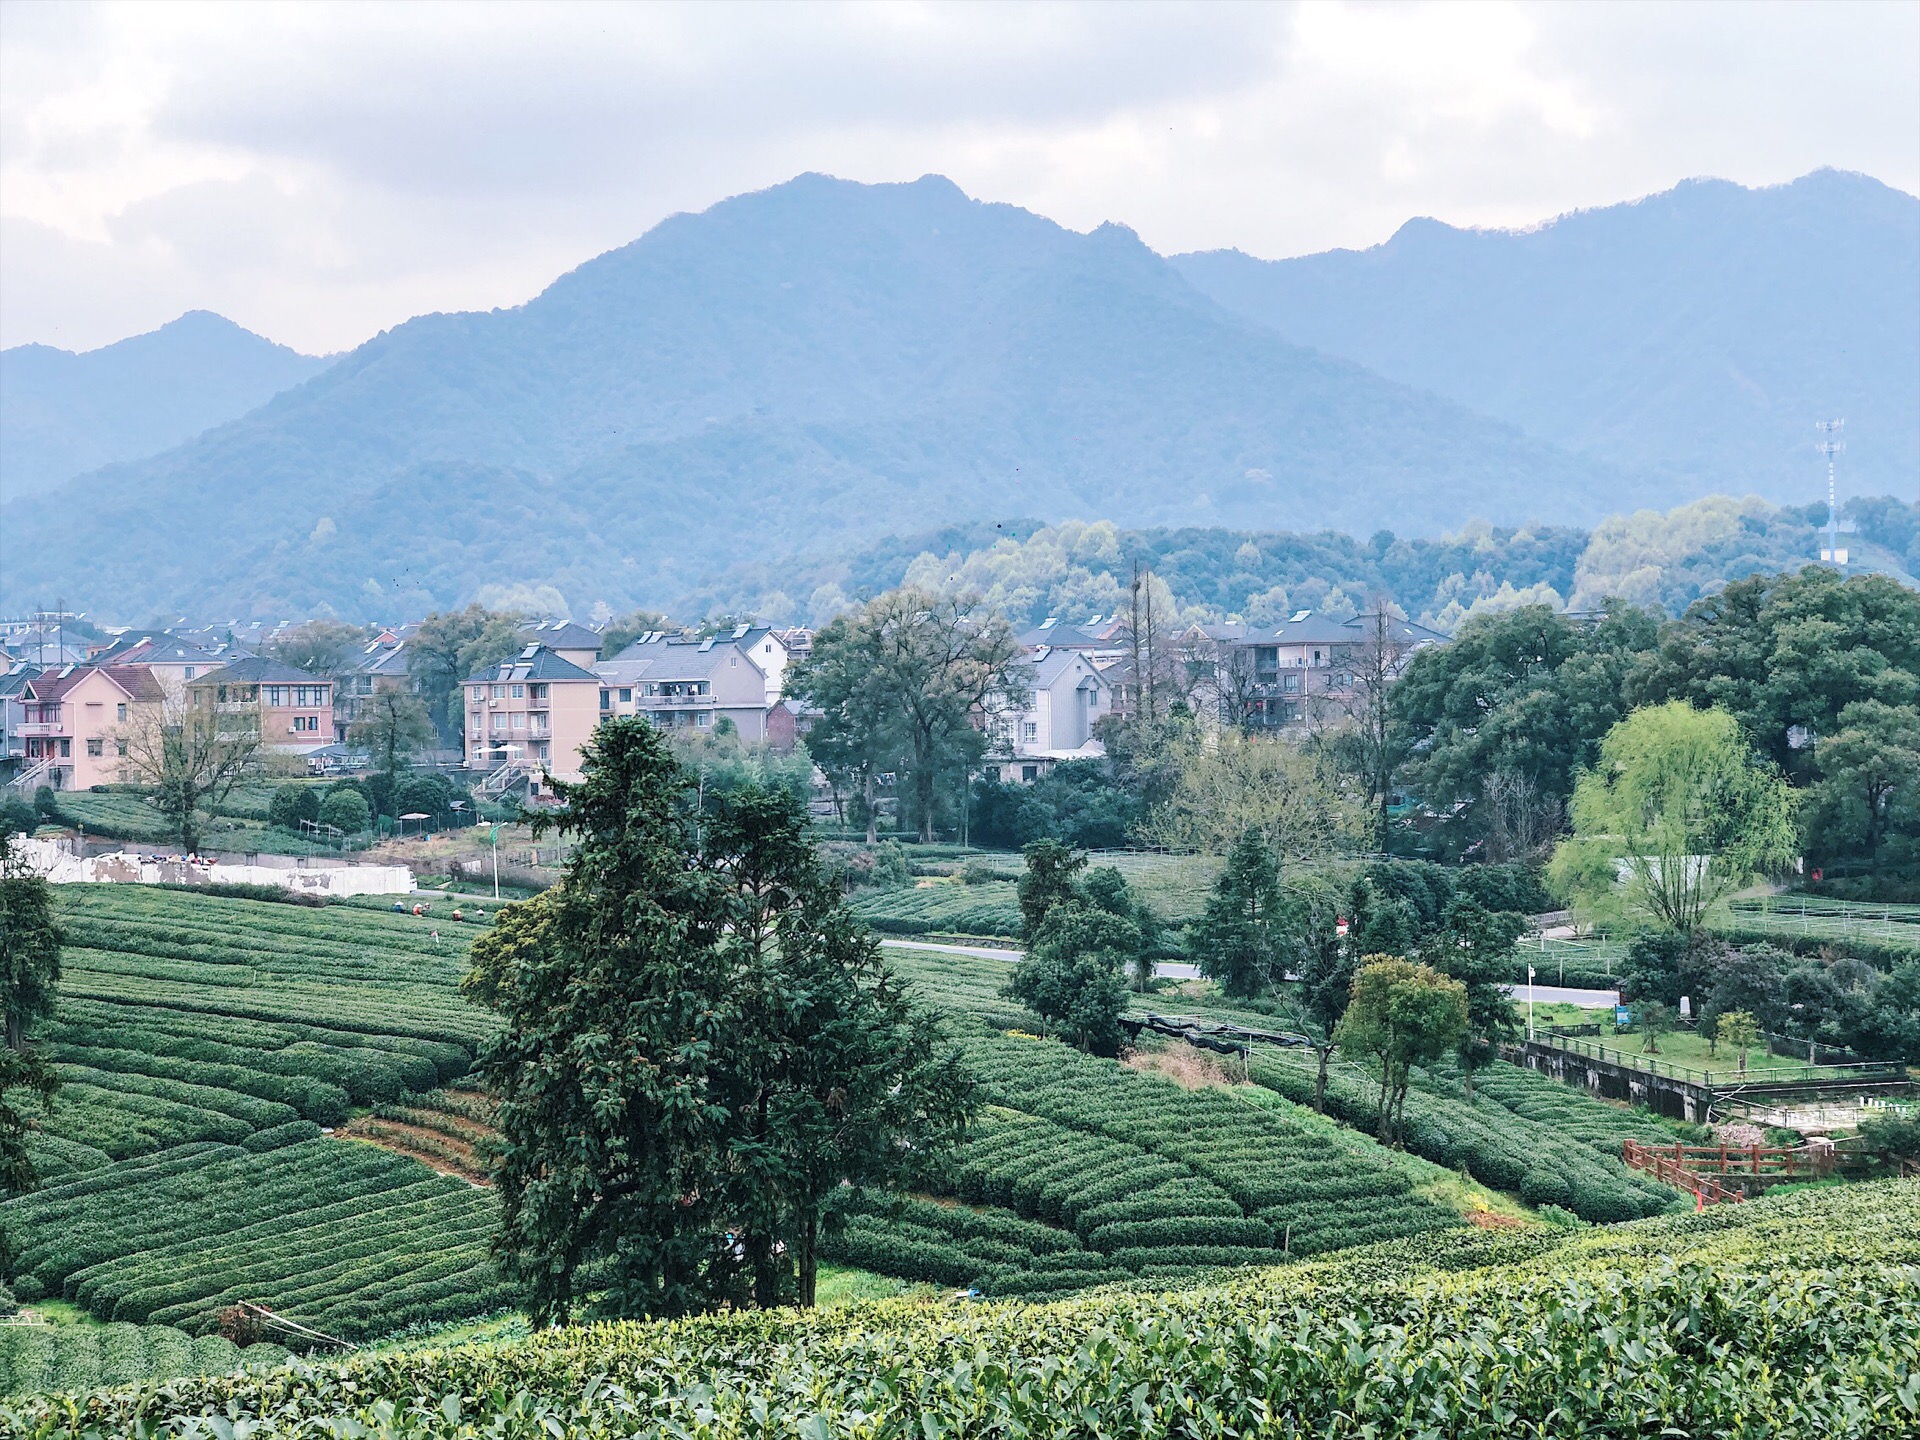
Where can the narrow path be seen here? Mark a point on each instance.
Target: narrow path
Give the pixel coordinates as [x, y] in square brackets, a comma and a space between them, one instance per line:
[1181, 970]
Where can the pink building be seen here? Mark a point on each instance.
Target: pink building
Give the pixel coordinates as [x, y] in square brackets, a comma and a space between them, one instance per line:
[73, 723]
[530, 716]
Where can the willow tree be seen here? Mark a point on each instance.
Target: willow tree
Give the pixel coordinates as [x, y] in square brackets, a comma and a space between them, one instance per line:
[1679, 813]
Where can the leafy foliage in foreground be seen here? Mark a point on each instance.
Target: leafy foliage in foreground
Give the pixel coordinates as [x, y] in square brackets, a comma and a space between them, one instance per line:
[1795, 1316]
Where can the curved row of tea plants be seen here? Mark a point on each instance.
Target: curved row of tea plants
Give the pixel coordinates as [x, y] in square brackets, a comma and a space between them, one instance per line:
[1310, 1192]
[1789, 1317]
[344, 1238]
[941, 907]
[187, 1017]
[1539, 1162]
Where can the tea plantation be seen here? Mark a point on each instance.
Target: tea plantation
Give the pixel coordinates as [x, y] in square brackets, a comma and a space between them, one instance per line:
[1793, 1316]
[202, 1043]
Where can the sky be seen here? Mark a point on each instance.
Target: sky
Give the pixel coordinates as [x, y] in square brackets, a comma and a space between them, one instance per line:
[320, 172]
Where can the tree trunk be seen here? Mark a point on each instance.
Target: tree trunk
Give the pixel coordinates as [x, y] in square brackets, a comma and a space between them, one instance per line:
[1385, 1127]
[873, 824]
[1325, 1053]
[923, 784]
[807, 1244]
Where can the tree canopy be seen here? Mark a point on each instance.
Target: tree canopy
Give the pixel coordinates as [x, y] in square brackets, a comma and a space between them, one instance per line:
[1677, 813]
[703, 1056]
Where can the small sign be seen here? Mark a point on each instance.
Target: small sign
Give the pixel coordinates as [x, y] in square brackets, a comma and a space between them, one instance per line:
[1686, 1007]
[1622, 1015]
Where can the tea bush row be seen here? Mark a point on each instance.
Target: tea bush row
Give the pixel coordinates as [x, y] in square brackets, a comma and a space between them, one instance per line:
[346, 1238]
[1789, 1317]
[38, 1358]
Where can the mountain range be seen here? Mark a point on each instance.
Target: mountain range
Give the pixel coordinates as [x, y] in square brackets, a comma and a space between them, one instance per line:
[824, 363]
[63, 414]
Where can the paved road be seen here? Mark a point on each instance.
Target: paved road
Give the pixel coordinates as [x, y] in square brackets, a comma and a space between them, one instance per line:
[1176, 970]
[1565, 995]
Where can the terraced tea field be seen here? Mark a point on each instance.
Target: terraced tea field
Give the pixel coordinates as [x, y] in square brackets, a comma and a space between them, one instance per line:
[202, 1044]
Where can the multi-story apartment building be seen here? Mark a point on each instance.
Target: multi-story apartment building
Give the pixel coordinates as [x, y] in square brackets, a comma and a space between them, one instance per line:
[73, 723]
[13, 749]
[171, 661]
[381, 665]
[1269, 677]
[568, 639]
[528, 716]
[295, 709]
[678, 682]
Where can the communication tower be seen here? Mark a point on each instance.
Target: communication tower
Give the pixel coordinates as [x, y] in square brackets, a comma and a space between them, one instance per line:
[1831, 445]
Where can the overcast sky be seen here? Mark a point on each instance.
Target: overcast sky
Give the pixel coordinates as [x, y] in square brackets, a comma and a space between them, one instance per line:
[320, 172]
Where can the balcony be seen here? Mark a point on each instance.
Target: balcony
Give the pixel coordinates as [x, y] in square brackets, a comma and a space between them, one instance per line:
[40, 727]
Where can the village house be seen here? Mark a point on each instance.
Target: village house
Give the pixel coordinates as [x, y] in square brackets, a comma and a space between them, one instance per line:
[678, 682]
[295, 709]
[73, 723]
[1061, 696]
[380, 666]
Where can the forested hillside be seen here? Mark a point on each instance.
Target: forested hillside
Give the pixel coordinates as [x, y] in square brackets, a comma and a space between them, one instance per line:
[1696, 334]
[813, 361]
[63, 414]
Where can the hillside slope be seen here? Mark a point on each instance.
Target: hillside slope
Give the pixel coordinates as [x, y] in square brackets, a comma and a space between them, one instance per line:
[1697, 333]
[63, 414]
[813, 361]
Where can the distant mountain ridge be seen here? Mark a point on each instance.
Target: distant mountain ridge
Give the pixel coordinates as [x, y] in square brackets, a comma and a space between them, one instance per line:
[1696, 334]
[824, 363]
[816, 361]
[63, 414]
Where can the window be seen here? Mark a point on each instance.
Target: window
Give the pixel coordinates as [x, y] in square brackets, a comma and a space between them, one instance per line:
[1029, 731]
[476, 727]
[703, 718]
[519, 720]
[66, 749]
[277, 695]
[1266, 657]
[120, 747]
[538, 692]
[189, 672]
[121, 712]
[478, 693]
[96, 748]
[606, 699]
[1029, 772]
[499, 692]
[519, 692]
[543, 751]
[626, 695]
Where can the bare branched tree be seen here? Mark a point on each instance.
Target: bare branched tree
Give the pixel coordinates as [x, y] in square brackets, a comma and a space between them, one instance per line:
[191, 756]
[1522, 823]
[1373, 746]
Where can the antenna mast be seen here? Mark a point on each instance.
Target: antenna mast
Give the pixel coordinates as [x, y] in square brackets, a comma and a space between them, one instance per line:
[1831, 445]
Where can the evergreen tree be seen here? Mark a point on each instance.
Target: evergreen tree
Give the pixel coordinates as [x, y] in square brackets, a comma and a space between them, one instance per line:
[1475, 946]
[705, 1058]
[1237, 940]
[1071, 975]
[614, 1132]
[1052, 878]
[30, 940]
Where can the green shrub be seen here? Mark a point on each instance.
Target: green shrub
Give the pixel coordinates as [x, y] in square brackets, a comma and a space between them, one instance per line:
[293, 804]
[347, 811]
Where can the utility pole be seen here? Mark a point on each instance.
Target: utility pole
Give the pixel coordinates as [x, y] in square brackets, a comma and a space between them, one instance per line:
[1831, 445]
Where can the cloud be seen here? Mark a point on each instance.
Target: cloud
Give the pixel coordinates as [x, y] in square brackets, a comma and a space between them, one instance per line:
[318, 172]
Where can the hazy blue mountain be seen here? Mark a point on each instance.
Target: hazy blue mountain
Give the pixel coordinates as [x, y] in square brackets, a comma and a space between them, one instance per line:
[1697, 333]
[63, 414]
[820, 363]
